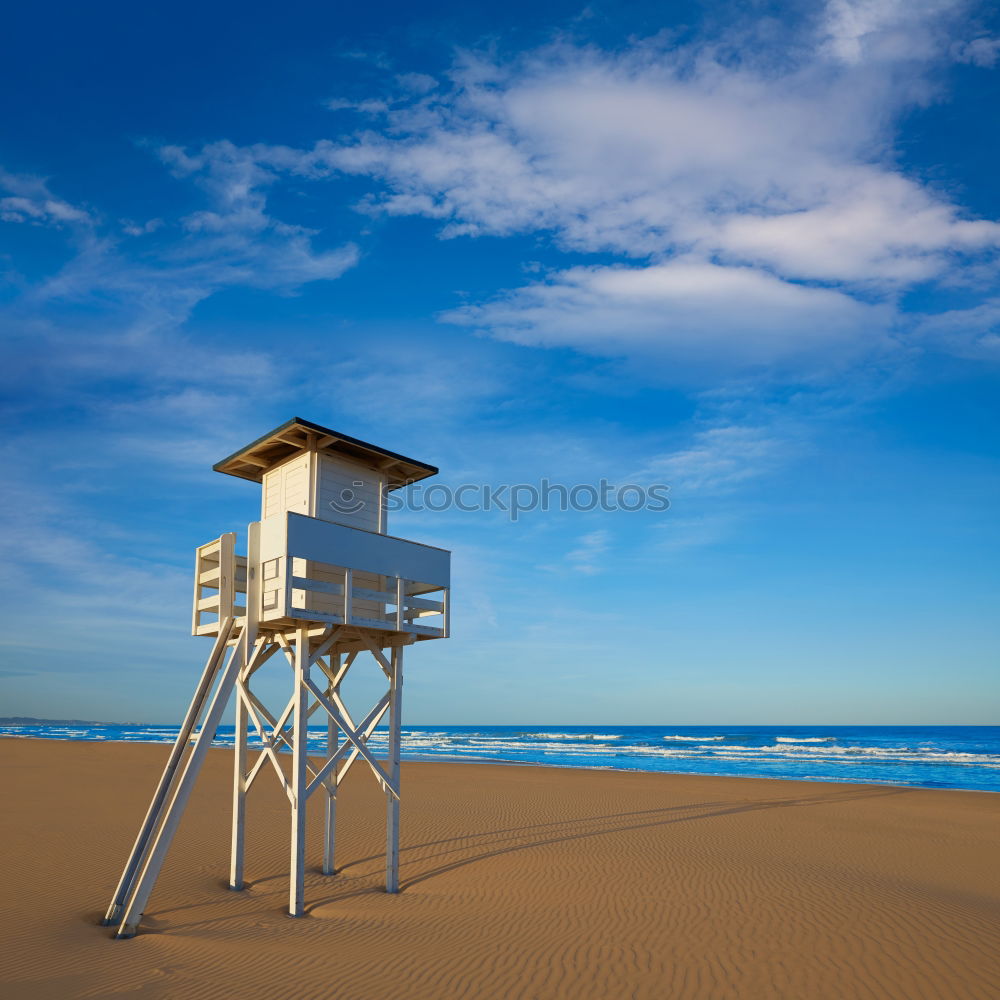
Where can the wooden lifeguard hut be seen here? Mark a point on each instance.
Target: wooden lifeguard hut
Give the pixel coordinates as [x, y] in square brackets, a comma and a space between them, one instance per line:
[322, 583]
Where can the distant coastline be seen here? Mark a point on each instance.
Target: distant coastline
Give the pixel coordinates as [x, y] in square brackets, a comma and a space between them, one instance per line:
[28, 720]
[965, 757]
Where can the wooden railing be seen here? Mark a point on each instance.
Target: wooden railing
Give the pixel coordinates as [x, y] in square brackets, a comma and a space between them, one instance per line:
[317, 571]
[219, 575]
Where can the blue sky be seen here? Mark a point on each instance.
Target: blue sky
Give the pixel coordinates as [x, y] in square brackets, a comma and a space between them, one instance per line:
[747, 250]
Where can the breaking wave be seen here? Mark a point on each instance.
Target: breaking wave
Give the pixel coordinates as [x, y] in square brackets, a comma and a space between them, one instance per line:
[695, 739]
[942, 756]
[805, 739]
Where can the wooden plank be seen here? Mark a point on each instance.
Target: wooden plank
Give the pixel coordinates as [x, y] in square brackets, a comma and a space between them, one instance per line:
[424, 605]
[427, 630]
[159, 846]
[336, 674]
[255, 710]
[331, 785]
[336, 544]
[367, 727]
[296, 889]
[311, 615]
[380, 624]
[377, 653]
[268, 755]
[238, 837]
[320, 586]
[326, 643]
[227, 569]
[195, 616]
[210, 577]
[392, 801]
[163, 789]
[353, 735]
[381, 596]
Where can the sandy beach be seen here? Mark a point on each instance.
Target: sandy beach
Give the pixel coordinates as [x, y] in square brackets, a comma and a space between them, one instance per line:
[516, 882]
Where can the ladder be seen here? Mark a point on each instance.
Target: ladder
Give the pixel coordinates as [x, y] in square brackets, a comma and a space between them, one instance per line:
[178, 778]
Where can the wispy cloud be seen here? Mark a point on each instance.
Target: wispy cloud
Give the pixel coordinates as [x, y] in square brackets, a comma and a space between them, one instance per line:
[661, 148]
[983, 52]
[113, 313]
[751, 181]
[586, 556]
[720, 459]
[236, 240]
[233, 242]
[746, 184]
[856, 30]
[28, 199]
[687, 312]
[972, 333]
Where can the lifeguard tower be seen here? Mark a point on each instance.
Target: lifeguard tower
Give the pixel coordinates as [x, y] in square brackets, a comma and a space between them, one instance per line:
[321, 583]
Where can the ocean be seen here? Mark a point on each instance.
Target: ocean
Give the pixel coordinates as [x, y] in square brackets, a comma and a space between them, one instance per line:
[926, 756]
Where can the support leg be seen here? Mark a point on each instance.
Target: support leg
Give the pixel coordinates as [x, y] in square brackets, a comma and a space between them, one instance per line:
[332, 739]
[239, 791]
[296, 892]
[167, 780]
[240, 754]
[392, 803]
[161, 843]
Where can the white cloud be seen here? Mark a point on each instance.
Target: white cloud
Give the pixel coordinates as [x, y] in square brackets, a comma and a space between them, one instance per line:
[680, 534]
[982, 52]
[437, 383]
[30, 200]
[746, 186]
[663, 150]
[686, 310]
[758, 198]
[972, 333]
[367, 107]
[417, 83]
[233, 242]
[880, 228]
[131, 228]
[62, 570]
[590, 548]
[239, 238]
[750, 180]
[857, 30]
[721, 458]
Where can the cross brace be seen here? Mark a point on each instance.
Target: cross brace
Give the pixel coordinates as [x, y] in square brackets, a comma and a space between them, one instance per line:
[236, 656]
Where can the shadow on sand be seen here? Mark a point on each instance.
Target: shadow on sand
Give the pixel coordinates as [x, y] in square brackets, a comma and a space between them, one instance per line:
[473, 848]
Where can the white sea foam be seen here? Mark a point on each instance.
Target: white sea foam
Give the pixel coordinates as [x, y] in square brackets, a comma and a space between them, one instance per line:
[587, 746]
[900, 755]
[783, 755]
[805, 739]
[695, 739]
[573, 736]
